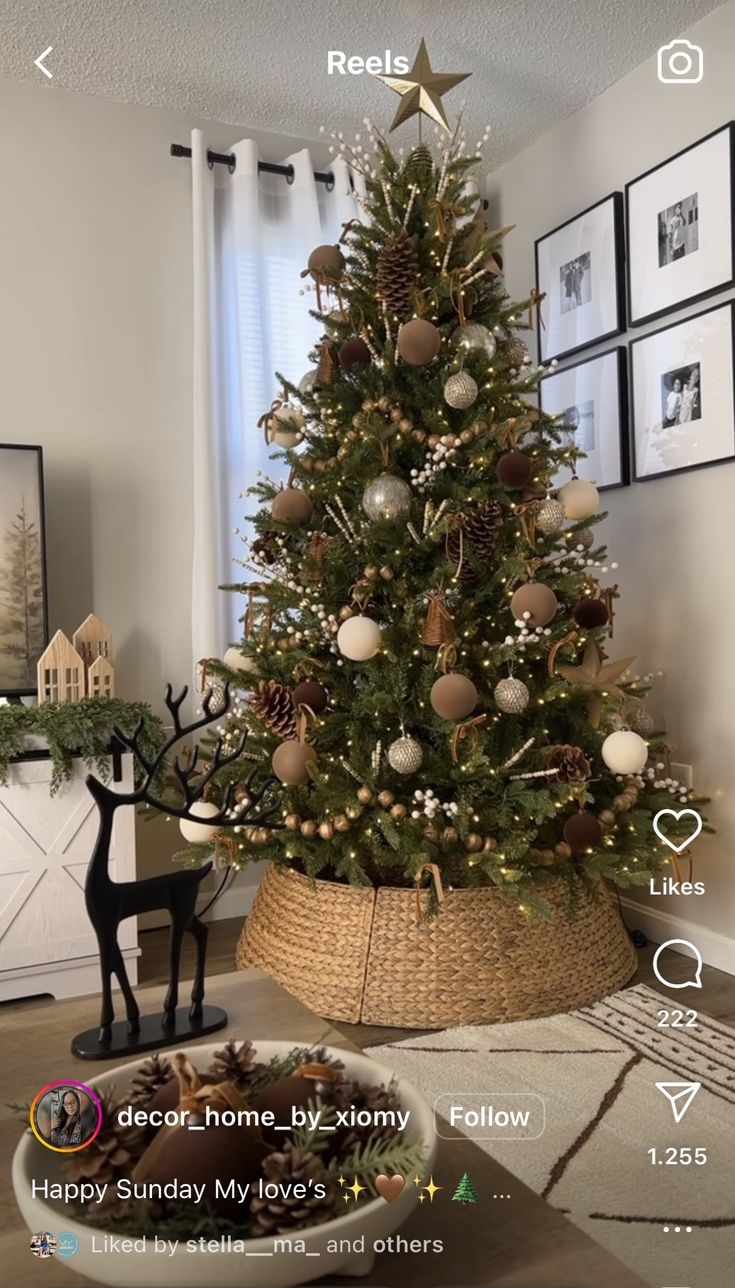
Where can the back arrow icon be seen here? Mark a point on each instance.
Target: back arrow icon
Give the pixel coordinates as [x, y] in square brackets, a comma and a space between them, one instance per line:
[38, 62]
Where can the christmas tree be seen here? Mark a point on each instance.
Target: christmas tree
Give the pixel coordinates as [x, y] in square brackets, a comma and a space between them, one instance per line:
[427, 660]
[465, 1191]
[21, 596]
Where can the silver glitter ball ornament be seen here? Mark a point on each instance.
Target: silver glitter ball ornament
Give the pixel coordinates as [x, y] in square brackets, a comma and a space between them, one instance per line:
[474, 336]
[405, 755]
[511, 695]
[551, 517]
[306, 383]
[584, 538]
[387, 498]
[640, 720]
[460, 391]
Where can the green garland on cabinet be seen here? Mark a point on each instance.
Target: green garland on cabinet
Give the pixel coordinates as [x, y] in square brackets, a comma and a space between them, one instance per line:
[74, 729]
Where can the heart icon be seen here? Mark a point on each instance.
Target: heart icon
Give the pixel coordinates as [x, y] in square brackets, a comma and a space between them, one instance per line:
[389, 1187]
[677, 814]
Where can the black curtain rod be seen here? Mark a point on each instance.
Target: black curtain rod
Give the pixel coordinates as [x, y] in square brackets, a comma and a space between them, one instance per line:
[264, 167]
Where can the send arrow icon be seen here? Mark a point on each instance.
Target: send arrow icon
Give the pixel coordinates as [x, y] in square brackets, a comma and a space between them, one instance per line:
[680, 1095]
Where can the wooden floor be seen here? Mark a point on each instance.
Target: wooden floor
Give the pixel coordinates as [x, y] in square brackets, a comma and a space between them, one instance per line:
[716, 998]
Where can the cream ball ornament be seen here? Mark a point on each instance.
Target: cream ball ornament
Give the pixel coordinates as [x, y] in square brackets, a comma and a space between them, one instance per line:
[580, 498]
[199, 833]
[387, 499]
[307, 382]
[358, 638]
[405, 755]
[624, 752]
[234, 660]
[285, 426]
[460, 390]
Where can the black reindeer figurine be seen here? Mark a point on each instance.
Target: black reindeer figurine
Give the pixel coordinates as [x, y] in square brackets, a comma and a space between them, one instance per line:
[110, 902]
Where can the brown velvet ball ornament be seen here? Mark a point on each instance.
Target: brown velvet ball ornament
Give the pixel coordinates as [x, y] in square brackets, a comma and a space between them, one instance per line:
[582, 832]
[167, 1097]
[418, 342]
[217, 1152]
[279, 1099]
[590, 613]
[326, 261]
[289, 762]
[310, 694]
[354, 353]
[538, 600]
[453, 697]
[292, 506]
[514, 469]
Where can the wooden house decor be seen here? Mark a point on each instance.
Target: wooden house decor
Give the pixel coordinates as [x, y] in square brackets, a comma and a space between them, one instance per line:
[61, 672]
[92, 639]
[101, 678]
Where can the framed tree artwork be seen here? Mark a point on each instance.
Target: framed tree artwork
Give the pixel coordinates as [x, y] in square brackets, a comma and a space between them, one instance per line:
[579, 270]
[683, 395]
[23, 614]
[591, 399]
[681, 228]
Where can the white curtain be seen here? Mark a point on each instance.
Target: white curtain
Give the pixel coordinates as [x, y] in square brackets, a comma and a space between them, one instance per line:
[252, 236]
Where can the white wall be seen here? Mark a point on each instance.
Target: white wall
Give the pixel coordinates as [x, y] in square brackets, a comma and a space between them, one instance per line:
[95, 353]
[672, 537]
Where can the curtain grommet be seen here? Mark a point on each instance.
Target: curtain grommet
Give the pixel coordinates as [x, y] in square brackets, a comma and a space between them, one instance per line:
[291, 175]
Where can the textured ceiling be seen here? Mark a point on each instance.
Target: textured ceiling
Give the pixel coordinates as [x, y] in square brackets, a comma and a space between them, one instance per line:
[264, 64]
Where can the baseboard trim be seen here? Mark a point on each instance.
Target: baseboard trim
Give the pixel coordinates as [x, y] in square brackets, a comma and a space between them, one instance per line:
[235, 902]
[716, 949]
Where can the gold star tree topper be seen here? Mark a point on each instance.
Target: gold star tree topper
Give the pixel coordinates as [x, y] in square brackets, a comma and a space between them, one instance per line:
[421, 90]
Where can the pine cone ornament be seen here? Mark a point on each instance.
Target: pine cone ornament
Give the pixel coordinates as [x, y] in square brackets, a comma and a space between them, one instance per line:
[328, 364]
[482, 523]
[354, 1094]
[290, 1167]
[236, 1064]
[111, 1156]
[272, 703]
[398, 268]
[473, 537]
[572, 764]
[153, 1073]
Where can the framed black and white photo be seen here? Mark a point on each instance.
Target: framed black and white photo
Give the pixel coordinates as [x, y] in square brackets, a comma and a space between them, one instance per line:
[579, 269]
[591, 398]
[680, 228]
[23, 622]
[683, 395]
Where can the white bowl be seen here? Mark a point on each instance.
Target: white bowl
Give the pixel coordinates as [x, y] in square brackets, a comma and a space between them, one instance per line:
[362, 1223]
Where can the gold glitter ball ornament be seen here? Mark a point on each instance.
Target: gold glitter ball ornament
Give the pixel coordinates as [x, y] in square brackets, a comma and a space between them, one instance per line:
[511, 695]
[460, 390]
[405, 755]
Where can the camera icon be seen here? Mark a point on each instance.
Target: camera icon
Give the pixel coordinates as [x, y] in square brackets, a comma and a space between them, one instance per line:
[680, 63]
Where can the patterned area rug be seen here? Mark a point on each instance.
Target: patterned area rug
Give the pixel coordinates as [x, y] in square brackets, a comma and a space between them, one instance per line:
[597, 1070]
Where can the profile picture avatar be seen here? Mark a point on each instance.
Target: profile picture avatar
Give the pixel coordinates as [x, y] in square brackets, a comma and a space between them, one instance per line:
[680, 62]
[65, 1116]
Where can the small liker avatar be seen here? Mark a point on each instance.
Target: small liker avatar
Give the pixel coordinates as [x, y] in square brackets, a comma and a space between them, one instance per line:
[44, 1244]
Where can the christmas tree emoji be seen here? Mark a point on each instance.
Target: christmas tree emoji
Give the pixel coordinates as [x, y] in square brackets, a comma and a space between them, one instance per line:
[465, 1191]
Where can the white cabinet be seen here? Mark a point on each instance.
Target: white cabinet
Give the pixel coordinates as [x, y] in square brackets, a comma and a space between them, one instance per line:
[47, 944]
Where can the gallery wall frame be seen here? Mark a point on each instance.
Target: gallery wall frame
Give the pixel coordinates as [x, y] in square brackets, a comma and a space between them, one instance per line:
[680, 229]
[579, 269]
[23, 578]
[698, 352]
[597, 388]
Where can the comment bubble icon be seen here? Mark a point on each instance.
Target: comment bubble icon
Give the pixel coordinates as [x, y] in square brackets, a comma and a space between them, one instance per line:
[695, 980]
